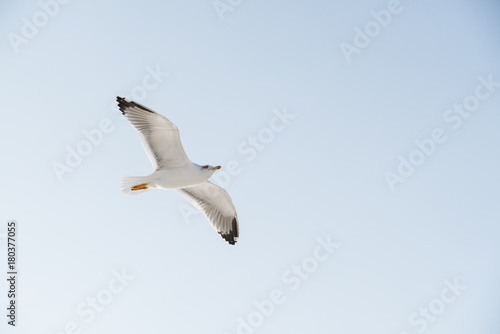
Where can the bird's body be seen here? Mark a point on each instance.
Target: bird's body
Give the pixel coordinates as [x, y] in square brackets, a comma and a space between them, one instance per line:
[181, 177]
[175, 178]
[174, 170]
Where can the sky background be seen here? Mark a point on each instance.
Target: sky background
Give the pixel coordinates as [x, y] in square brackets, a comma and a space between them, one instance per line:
[321, 176]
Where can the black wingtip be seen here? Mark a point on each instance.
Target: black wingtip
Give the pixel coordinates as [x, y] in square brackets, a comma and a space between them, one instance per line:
[233, 235]
[124, 104]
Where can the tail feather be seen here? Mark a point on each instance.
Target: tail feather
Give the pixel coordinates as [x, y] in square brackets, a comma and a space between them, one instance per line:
[129, 182]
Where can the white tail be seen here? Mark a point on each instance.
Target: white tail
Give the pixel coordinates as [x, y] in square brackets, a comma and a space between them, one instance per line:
[140, 182]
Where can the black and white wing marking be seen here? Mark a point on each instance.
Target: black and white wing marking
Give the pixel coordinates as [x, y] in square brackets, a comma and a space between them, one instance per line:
[160, 137]
[217, 206]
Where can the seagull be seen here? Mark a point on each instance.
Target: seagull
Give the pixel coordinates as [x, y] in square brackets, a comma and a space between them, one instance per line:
[173, 170]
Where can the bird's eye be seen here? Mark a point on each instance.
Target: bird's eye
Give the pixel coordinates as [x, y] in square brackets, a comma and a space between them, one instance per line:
[206, 166]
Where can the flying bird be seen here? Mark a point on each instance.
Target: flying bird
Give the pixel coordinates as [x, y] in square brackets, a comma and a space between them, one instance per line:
[173, 170]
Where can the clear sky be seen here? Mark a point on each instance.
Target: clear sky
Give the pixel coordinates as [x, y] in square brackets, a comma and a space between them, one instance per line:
[359, 143]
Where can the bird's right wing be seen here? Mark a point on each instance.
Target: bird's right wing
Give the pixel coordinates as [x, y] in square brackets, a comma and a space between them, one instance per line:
[160, 137]
[217, 206]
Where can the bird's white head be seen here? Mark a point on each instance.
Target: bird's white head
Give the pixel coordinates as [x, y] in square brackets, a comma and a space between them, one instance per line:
[210, 169]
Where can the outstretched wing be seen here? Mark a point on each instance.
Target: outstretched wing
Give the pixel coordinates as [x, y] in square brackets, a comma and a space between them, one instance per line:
[217, 206]
[160, 137]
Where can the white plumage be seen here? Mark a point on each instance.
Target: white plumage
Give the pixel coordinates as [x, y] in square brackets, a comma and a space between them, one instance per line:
[173, 170]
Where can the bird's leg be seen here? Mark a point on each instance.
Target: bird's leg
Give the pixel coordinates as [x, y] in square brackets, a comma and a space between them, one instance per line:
[143, 186]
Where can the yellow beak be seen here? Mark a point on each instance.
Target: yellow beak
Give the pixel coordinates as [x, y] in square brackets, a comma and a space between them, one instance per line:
[217, 168]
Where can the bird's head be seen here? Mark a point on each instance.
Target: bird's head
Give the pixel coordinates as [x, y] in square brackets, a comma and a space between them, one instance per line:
[210, 169]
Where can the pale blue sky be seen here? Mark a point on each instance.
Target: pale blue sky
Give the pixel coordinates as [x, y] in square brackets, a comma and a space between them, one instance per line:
[321, 176]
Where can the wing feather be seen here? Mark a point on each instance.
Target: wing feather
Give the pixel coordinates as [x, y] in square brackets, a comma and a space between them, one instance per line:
[217, 206]
[160, 137]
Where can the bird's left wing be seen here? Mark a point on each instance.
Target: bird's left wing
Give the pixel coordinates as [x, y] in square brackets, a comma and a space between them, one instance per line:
[217, 206]
[160, 137]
